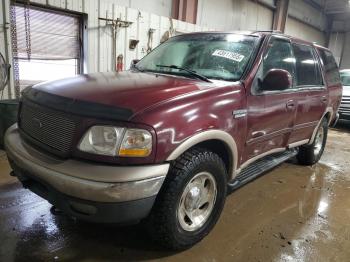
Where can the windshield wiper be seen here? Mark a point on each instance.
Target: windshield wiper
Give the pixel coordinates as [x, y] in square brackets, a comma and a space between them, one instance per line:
[191, 72]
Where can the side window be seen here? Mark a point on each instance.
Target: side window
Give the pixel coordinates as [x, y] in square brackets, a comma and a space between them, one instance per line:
[279, 56]
[307, 69]
[331, 68]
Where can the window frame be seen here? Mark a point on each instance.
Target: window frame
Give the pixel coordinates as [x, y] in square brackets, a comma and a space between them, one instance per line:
[317, 68]
[255, 88]
[83, 32]
[245, 73]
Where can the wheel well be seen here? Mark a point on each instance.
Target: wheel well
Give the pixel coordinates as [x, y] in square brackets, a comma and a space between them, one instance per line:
[328, 116]
[221, 149]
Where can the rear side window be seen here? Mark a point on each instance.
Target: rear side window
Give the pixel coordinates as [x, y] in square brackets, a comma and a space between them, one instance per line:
[330, 66]
[307, 68]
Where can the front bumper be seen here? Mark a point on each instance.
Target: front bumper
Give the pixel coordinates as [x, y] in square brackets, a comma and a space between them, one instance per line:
[90, 191]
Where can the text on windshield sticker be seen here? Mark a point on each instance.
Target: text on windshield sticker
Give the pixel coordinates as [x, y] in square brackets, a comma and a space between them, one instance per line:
[229, 55]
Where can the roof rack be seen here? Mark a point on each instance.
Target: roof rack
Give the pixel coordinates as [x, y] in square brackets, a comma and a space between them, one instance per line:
[269, 31]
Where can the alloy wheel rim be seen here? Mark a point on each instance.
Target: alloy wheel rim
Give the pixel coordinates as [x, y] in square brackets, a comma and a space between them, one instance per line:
[197, 201]
[318, 141]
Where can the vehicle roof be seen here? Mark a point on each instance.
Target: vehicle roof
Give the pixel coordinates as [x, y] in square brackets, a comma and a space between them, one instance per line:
[261, 33]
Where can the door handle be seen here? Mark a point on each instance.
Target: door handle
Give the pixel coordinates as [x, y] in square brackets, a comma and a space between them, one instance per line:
[324, 99]
[257, 134]
[290, 104]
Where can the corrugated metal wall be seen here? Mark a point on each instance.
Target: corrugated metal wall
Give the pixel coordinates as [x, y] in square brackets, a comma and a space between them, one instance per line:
[99, 57]
[345, 60]
[306, 13]
[340, 43]
[225, 15]
[304, 31]
[336, 45]
[234, 15]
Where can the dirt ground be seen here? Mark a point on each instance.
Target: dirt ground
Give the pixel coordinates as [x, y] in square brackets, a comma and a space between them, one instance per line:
[292, 213]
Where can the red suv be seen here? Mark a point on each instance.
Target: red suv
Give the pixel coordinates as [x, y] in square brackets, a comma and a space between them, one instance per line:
[164, 142]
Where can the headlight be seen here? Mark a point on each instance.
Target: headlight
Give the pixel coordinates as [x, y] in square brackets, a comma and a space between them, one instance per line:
[136, 142]
[116, 141]
[101, 140]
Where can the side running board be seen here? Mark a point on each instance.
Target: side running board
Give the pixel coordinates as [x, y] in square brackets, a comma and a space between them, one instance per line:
[260, 167]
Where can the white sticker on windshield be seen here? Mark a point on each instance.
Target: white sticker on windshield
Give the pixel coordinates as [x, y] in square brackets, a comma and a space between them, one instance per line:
[229, 55]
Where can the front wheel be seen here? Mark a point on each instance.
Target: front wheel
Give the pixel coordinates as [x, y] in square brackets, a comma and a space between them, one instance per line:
[311, 154]
[190, 201]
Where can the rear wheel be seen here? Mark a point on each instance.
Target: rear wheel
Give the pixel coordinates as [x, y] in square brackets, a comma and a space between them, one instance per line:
[311, 154]
[190, 201]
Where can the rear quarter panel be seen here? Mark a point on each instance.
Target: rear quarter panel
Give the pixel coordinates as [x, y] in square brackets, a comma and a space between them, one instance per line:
[335, 88]
[335, 95]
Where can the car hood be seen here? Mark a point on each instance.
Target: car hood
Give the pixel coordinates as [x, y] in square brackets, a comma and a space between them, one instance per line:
[133, 91]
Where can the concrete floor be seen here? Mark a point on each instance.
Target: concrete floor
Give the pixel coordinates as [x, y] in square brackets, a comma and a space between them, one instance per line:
[293, 213]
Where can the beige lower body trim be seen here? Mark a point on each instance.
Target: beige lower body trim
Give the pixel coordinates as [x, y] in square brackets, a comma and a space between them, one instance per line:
[299, 143]
[205, 136]
[107, 184]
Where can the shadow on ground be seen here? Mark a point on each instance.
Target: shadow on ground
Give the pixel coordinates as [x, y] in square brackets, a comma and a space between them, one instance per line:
[343, 125]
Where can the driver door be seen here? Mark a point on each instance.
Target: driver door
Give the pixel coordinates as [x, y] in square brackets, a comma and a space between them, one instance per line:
[271, 114]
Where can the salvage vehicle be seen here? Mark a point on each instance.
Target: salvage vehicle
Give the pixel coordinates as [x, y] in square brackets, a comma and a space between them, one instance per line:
[344, 109]
[166, 141]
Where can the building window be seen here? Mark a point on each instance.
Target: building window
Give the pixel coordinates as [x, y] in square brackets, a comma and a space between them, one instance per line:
[46, 45]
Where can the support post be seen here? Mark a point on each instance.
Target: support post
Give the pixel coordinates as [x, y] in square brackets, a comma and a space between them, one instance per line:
[329, 29]
[280, 15]
[185, 10]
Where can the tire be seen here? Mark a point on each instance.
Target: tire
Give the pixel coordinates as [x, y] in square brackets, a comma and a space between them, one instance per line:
[311, 154]
[168, 223]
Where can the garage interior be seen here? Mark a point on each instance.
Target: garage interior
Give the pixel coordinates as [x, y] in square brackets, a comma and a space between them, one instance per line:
[292, 213]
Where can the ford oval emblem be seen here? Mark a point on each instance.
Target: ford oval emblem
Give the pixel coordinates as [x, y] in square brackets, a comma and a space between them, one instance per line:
[37, 122]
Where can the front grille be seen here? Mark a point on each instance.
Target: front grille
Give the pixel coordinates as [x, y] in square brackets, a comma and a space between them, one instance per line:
[48, 127]
[345, 105]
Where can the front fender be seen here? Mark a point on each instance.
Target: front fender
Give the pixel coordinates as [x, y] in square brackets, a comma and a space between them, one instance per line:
[185, 121]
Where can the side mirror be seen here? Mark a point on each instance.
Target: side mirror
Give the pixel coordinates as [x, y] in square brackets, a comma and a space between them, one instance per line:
[134, 62]
[276, 80]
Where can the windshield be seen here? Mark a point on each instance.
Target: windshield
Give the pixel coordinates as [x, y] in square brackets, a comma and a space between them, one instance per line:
[345, 78]
[214, 56]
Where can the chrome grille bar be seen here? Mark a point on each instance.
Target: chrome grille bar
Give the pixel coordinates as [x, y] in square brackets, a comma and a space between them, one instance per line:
[48, 127]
